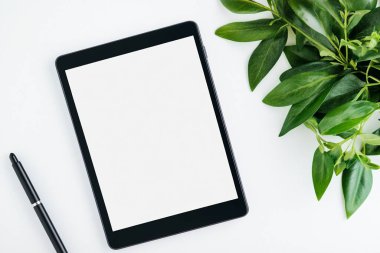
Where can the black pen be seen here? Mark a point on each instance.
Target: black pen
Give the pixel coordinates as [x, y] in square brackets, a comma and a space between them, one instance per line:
[37, 205]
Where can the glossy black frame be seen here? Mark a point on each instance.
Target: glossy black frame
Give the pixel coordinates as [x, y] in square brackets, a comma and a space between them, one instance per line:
[176, 223]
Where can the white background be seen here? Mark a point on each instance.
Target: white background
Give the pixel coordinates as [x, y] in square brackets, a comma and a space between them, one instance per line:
[152, 133]
[35, 124]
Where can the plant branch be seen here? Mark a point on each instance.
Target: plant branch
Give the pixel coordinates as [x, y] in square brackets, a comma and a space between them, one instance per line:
[370, 77]
[313, 41]
[367, 72]
[345, 31]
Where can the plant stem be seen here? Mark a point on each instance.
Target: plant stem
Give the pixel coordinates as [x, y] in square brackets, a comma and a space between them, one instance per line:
[345, 31]
[367, 72]
[375, 79]
[339, 52]
[372, 84]
[313, 41]
[370, 77]
[344, 141]
[360, 92]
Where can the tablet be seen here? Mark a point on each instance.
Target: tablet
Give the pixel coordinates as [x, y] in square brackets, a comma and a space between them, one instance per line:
[152, 135]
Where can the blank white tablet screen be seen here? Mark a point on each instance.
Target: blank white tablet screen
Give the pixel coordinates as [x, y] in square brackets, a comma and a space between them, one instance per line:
[152, 133]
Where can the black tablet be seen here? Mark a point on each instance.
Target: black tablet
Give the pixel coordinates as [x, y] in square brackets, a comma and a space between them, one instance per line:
[152, 135]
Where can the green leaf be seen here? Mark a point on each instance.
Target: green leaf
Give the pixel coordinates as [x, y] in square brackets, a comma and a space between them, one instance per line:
[363, 158]
[343, 91]
[308, 67]
[365, 49]
[355, 19]
[355, 5]
[372, 139]
[321, 15]
[336, 154]
[348, 155]
[371, 166]
[371, 149]
[302, 111]
[305, 11]
[265, 57]
[369, 23]
[328, 12]
[357, 184]
[323, 167]
[297, 57]
[332, 7]
[300, 40]
[367, 162]
[348, 133]
[346, 116]
[250, 31]
[339, 168]
[370, 55]
[298, 88]
[243, 6]
[312, 36]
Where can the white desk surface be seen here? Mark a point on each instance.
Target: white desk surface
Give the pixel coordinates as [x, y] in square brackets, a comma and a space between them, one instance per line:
[35, 124]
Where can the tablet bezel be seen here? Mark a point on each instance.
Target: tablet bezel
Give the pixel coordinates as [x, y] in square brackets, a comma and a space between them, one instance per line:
[172, 224]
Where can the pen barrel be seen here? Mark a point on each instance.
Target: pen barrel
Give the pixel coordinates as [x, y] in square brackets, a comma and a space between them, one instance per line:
[25, 182]
[49, 228]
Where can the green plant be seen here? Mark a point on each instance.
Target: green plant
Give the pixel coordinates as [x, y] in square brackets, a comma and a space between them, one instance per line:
[333, 87]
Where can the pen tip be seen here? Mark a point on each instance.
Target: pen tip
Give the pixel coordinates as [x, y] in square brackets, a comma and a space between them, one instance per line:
[13, 157]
